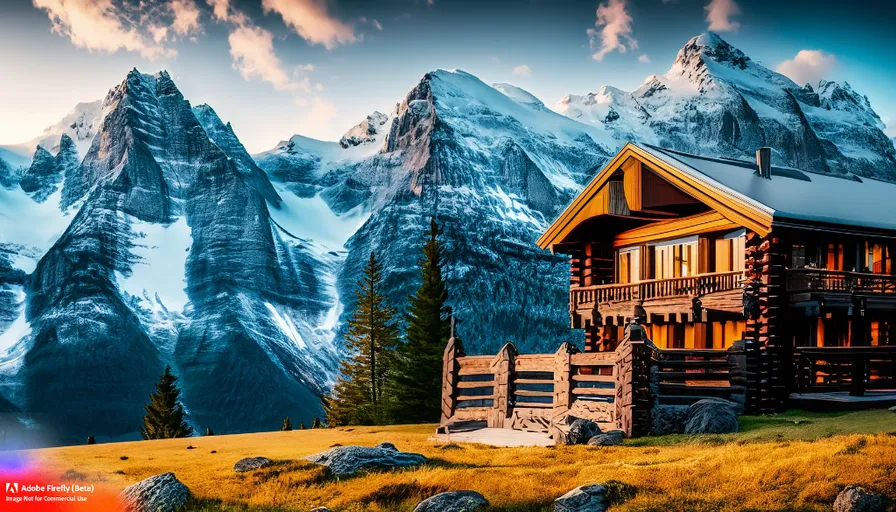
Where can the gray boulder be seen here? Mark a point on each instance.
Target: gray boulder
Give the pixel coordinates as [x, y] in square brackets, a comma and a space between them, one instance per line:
[892, 409]
[321, 509]
[387, 446]
[159, 493]
[667, 419]
[251, 464]
[587, 498]
[856, 499]
[711, 416]
[348, 460]
[608, 438]
[581, 430]
[453, 501]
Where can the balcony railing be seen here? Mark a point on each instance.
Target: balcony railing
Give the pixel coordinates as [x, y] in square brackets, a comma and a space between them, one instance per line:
[690, 286]
[837, 281]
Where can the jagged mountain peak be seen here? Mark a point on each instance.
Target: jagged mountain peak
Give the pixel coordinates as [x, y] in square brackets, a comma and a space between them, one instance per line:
[364, 132]
[709, 45]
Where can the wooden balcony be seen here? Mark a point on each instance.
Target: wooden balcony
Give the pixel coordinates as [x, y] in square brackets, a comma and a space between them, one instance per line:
[662, 294]
[813, 280]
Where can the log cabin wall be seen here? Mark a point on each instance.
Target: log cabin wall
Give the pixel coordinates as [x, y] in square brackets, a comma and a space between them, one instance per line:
[767, 312]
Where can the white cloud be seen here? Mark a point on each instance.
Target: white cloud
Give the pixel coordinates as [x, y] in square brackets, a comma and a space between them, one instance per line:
[100, 25]
[220, 9]
[808, 66]
[310, 20]
[523, 71]
[644, 59]
[612, 31]
[186, 16]
[377, 25]
[719, 14]
[252, 49]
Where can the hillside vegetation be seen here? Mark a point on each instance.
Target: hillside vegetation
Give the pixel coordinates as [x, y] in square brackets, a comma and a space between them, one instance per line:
[792, 461]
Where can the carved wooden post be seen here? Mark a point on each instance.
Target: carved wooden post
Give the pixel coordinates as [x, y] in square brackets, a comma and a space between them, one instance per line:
[633, 396]
[502, 369]
[562, 380]
[450, 378]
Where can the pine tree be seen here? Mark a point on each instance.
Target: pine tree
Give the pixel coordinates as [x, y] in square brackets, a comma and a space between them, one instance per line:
[208, 431]
[164, 417]
[316, 423]
[359, 394]
[287, 425]
[417, 380]
[302, 426]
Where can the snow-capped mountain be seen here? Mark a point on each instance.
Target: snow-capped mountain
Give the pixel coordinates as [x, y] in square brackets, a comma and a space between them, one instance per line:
[159, 248]
[80, 125]
[715, 100]
[494, 167]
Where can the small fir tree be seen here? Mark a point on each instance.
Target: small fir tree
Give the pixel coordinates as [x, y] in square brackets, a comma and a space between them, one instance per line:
[417, 380]
[208, 431]
[164, 417]
[316, 423]
[301, 426]
[287, 425]
[359, 396]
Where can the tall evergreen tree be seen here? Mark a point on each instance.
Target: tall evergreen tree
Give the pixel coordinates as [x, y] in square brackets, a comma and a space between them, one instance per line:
[287, 425]
[359, 394]
[316, 423]
[164, 417]
[417, 381]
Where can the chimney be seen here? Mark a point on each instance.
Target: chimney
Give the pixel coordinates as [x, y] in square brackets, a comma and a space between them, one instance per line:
[764, 163]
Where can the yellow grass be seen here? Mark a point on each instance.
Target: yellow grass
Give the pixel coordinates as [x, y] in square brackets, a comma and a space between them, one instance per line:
[797, 461]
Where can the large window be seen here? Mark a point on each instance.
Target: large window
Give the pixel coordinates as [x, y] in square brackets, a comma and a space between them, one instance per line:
[629, 265]
[675, 258]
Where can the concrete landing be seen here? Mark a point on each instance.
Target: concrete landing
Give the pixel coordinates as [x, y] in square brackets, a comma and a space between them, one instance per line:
[504, 437]
[843, 401]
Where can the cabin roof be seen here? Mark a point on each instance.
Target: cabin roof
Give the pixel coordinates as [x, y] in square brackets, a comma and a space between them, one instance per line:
[790, 196]
[795, 194]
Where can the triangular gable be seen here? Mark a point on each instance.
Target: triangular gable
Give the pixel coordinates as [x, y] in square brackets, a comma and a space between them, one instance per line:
[592, 200]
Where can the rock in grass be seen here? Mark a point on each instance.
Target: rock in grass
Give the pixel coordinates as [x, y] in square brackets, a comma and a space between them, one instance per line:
[321, 509]
[667, 419]
[587, 498]
[581, 430]
[711, 416]
[251, 463]
[387, 446]
[608, 438]
[348, 460]
[453, 501]
[892, 409]
[160, 493]
[856, 499]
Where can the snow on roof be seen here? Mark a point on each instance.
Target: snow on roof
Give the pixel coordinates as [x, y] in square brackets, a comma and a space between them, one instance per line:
[794, 194]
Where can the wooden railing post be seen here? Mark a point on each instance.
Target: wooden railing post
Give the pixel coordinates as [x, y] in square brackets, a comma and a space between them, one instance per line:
[633, 396]
[502, 369]
[563, 383]
[737, 371]
[450, 378]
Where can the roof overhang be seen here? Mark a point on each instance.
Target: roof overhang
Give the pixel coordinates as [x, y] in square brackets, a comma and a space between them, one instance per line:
[731, 205]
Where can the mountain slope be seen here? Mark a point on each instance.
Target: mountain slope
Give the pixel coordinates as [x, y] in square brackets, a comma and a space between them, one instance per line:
[493, 170]
[715, 100]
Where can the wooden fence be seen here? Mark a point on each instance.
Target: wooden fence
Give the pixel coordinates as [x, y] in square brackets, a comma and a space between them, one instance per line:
[540, 392]
[853, 369]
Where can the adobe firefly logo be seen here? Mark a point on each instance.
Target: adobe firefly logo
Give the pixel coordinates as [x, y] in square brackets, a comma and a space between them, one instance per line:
[12, 487]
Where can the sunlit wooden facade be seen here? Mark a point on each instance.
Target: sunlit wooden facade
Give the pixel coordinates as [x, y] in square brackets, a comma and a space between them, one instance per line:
[718, 250]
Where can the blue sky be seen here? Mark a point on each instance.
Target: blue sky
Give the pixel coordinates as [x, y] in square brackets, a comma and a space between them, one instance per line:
[278, 67]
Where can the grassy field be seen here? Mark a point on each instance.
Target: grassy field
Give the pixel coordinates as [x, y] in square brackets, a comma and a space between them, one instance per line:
[793, 461]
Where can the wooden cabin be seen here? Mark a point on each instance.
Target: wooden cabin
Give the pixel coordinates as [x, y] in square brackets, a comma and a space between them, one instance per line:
[717, 250]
